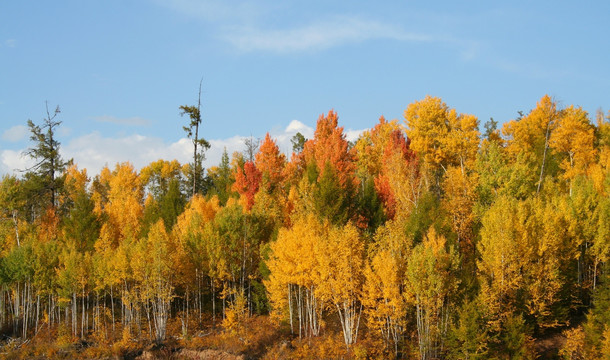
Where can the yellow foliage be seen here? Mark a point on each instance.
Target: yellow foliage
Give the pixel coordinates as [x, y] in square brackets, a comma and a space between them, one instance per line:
[574, 137]
[459, 200]
[119, 196]
[75, 182]
[384, 288]
[529, 135]
[236, 313]
[163, 168]
[431, 284]
[574, 347]
[371, 146]
[441, 135]
[198, 212]
[296, 273]
[605, 348]
[522, 247]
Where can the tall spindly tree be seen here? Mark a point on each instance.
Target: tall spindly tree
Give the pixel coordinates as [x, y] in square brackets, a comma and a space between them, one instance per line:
[199, 144]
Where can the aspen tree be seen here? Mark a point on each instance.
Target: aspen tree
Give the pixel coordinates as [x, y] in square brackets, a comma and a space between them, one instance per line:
[384, 289]
[432, 285]
[341, 262]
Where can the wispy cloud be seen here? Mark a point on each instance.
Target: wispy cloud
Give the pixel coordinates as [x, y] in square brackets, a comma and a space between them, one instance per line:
[15, 134]
[244, 25]
[333, 32]
[132, 121]
[11, 43]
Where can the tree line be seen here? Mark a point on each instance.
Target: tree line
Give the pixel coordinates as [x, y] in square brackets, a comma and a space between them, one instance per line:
[431, 237]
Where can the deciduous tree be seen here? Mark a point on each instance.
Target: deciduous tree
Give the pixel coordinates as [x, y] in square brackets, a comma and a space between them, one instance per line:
[432, 286]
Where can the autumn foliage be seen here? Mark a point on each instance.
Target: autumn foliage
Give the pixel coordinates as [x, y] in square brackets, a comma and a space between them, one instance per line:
[421, 239]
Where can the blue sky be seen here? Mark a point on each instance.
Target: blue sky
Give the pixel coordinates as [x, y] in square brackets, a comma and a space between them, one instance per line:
[119, 70]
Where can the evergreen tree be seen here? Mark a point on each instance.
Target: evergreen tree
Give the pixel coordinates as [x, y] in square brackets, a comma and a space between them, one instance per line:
[298, 142]
[45, 175]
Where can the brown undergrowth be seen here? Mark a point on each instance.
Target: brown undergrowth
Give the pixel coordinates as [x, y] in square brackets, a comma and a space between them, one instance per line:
[258, 337]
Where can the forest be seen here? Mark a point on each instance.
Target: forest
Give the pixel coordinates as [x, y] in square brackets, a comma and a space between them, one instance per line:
[430, 237]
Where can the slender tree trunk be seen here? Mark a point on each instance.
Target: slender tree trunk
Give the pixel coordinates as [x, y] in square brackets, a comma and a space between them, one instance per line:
[82, 318]
[37, 312]
[25, 311]
[300, 312]
[112, 307]
[290, 308]
[546, 145]
[213, 302]
[16, 227]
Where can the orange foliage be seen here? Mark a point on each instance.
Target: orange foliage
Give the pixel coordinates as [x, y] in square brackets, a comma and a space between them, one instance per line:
[247, 181]
[329, 146]
[270, 161]
[398, 183]
[49, 225]
[385, 193]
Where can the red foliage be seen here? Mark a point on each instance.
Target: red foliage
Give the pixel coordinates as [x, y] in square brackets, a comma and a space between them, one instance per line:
[397, 149]
[384, 191]
[329, 145]
[271, 162]
[398, 144]
[247, 181]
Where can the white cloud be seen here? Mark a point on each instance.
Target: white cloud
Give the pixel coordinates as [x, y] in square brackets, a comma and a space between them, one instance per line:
[10, 43]
[11, 162]
[353, 135]
[283, 137]
[332, 32]
[16, 133]
[135, 121]
[217, 146]
[93, 151]
[296, 126]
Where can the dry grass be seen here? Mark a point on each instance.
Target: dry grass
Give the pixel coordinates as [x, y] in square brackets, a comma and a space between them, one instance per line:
[258, 337]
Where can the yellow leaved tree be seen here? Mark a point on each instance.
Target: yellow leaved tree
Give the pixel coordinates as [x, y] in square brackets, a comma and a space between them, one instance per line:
[458, 200]
[296, 275]
[341, 262]
[384, 289]
[528, 143]
[525, 249]
[118, 199]
[574, 138]
[441, 136]
[432, 287]
[153, 270]
[372, 145]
